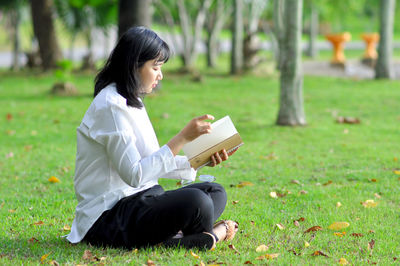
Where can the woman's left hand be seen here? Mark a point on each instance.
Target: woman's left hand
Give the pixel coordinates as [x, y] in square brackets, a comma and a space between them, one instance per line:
[219, 157]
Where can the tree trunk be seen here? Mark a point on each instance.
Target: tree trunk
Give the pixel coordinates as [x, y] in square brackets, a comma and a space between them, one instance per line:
[278, 14]
[384, 67]
[15, 18]
[312, 50]
[237, 38]
[215, 25]
[291, 111]
[43, 27]
[133, 13]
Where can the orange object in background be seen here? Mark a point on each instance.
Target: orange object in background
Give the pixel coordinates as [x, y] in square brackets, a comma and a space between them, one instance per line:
[337, 40]
[371, 39]
[370, 54]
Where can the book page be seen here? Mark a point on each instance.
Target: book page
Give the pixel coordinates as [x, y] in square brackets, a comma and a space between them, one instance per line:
[220, 130]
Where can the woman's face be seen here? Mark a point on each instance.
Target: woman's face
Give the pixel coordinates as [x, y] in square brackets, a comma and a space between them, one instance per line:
[150, 73]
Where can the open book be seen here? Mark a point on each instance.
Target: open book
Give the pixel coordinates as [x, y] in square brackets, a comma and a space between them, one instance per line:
[223, 136]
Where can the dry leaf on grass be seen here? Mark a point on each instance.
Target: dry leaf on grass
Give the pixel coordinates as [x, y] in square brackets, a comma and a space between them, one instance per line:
[194, 255]
[150, 263]
[32, 240]
[44, 257]
[371, 244]
[66, 228]
[343, 261]
[244, 184]
[231, 246]
[313, 229]
[319, 253]
[339, 225]
[262, 248]
[396, 172]
[38, 223]
[369, 203]
[280, 226]
[348, 120]
[54, 179]
[338, 204]
[235, 202]
[357, 235]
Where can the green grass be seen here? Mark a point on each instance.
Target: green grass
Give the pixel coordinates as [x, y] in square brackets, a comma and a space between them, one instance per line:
[333, 163]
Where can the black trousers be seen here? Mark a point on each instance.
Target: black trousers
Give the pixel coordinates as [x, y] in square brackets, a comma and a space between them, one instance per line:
[154, 215]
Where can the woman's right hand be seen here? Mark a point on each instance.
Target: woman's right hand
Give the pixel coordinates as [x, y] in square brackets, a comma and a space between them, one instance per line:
[196, 127]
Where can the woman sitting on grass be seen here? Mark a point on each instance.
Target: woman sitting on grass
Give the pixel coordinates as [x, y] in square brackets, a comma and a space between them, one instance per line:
[119, 162]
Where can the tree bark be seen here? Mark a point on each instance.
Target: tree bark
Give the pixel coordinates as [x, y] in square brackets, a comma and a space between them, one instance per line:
[15, 19]
[279, 10]
[312, 50]
[384, 67]
[237, 38]
[215, 25]
[291, 111]
[43, 27]
[133, 13]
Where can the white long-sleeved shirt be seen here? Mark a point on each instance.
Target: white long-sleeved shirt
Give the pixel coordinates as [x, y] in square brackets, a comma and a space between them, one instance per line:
[117, 155]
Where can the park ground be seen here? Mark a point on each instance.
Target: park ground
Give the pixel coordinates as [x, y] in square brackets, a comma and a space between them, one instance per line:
[286, 186]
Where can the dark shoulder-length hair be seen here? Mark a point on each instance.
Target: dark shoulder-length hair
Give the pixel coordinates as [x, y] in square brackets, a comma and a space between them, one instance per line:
[135, 47]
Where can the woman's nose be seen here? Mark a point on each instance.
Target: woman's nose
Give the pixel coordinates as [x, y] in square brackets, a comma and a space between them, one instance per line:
[160, 75]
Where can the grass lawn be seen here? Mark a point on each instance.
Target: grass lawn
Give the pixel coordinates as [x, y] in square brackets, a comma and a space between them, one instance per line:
[310, 169]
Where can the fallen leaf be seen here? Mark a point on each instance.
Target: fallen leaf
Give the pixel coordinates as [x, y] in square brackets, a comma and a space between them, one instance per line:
[377, 196]
[268, 256]
[150, 263]
[12, 210]
[338, 225]
[2, 204]
[9, 116]
[301, 219]
[397, 172]
[244, 184]
[87, 255]
[248, 262]
[55, 263]
[338, 204]
[348, 120]
[343, 261]
[313, 229]
[280, 226]
[328, 183]
[371, 244]
[303, 192]
[235, 202]
[38, 223]
[296, 223]
[339, 234]
[273, 195]
[373, 180]
[294, 181]
[357, 235]
[345, 131]
[262, 248]
[319, 253]
[231, 246]
[306, 244]
[66, 228]
[44, 257]
[194, 255]
[54, 179]
[32, 240]
[395, 159]
[165, 115]
[369, 203]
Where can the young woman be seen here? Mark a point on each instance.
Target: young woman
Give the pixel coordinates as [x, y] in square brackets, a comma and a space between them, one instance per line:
[119, 162]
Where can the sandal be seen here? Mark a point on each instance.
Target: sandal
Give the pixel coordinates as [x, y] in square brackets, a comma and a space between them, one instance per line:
[204, 241]
[231, 228]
